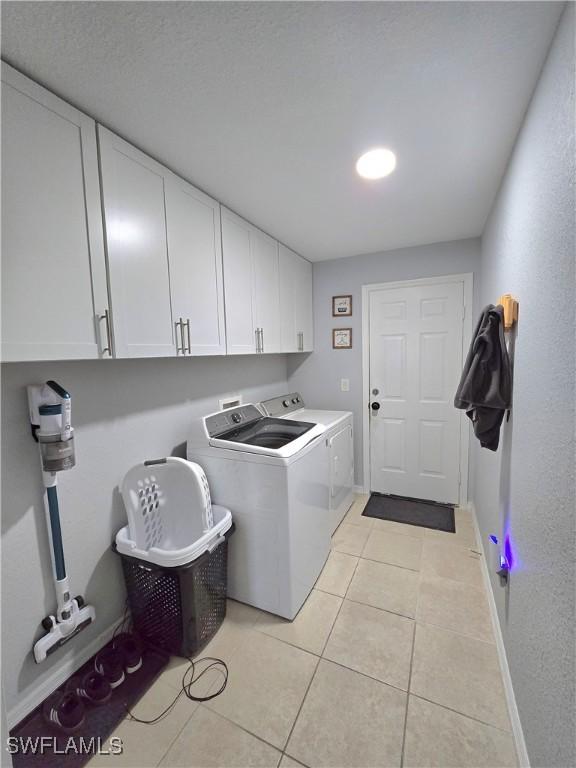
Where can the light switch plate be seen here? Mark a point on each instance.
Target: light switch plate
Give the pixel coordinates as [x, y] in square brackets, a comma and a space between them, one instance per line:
[345, 385]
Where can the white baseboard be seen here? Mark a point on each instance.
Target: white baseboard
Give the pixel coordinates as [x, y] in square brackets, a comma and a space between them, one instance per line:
[358, 489]
[57, 677]
[517, 732]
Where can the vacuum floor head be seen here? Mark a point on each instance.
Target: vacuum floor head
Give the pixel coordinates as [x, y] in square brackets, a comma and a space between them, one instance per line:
[61, 632]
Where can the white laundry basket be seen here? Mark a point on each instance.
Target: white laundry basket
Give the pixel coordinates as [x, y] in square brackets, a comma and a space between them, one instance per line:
[174, 554]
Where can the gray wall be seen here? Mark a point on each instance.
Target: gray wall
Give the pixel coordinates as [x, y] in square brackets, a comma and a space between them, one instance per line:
[528, 249]
[317, 376]
[123, 412]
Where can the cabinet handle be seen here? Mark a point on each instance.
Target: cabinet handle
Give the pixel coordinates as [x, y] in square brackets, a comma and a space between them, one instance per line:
[106, 318]
[180, 350]
[259, 340]
[187, 324]
[300, 341]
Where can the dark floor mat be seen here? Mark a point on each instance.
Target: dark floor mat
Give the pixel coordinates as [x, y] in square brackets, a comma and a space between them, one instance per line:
[399, 509]
[75, 751]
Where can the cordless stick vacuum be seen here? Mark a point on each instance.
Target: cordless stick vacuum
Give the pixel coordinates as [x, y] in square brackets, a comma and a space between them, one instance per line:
[50, 416]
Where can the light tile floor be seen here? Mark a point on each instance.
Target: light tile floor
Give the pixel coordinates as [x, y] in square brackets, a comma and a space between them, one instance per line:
[391, 662]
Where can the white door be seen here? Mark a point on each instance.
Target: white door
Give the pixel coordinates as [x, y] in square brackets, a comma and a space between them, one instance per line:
[53, 266]
[415, 365]
[266, 290]
[133, 195]
[238, 289]
[195, 257]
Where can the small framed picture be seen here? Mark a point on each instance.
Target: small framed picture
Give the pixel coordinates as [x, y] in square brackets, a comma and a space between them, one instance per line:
[341, 306]
[341, 338]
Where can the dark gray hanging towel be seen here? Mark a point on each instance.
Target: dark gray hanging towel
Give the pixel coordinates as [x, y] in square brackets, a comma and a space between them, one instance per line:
[485, 389]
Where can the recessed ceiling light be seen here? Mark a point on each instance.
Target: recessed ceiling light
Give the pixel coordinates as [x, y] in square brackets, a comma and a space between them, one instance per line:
[376, 163]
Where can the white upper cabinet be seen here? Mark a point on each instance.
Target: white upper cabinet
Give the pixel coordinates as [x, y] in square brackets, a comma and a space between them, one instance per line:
[241, 334]
[288, 280]
[127, 259]
[54, 294]
[195, 257]
[252, 294]
[295, 302]
[303, 306]
[134, 213]
[164, 257]
[266, 290]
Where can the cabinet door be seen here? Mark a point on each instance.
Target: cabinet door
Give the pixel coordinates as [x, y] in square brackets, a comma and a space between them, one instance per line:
[195, 257]
[266, 290]
[303, 305]
[288, 269]
[133, 195]
[238, 285]
[53, 265]
[295, 302]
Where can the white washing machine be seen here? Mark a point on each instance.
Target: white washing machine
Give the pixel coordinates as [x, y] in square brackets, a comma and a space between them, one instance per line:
[339, 442]
[274, 475]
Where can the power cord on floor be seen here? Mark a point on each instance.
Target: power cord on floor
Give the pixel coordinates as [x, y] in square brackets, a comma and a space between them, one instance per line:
[126, 623]
[187, 686]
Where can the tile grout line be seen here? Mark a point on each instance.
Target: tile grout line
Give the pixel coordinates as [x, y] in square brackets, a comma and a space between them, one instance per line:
[199, 704]
[385, 562]
[364, 674]
[301, 705]
[332, 627]
[318, 663]
[319, 659]
[388, 530]
[462, 714]
[378, 608]
[204, 704]
[345, 597]
[410, 674]
[178, 734]
[455, 632]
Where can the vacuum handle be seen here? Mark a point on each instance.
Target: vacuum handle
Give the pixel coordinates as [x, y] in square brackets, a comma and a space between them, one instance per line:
[66, 415]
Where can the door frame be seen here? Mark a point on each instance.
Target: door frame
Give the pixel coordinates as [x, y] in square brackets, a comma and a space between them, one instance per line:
[467, 279]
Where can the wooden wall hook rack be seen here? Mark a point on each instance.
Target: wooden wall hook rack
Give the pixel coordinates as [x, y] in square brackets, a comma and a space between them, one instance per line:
[510, 310]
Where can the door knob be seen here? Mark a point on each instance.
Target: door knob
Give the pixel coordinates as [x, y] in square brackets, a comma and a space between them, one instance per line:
[375, 406]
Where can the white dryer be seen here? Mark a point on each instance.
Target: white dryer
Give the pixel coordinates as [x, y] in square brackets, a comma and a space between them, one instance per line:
[339, 443]
[274, 475]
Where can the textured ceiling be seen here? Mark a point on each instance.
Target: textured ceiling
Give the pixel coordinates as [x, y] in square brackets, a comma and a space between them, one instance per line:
[266, 106]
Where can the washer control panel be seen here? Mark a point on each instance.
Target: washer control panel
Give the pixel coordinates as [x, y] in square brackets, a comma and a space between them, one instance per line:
[218, 423]
[277, 406]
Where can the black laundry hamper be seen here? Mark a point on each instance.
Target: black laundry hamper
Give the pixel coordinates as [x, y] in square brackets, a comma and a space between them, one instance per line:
[178, 609]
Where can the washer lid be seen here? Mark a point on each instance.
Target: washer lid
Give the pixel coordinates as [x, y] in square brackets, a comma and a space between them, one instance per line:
[274, 440]
[267, 432]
